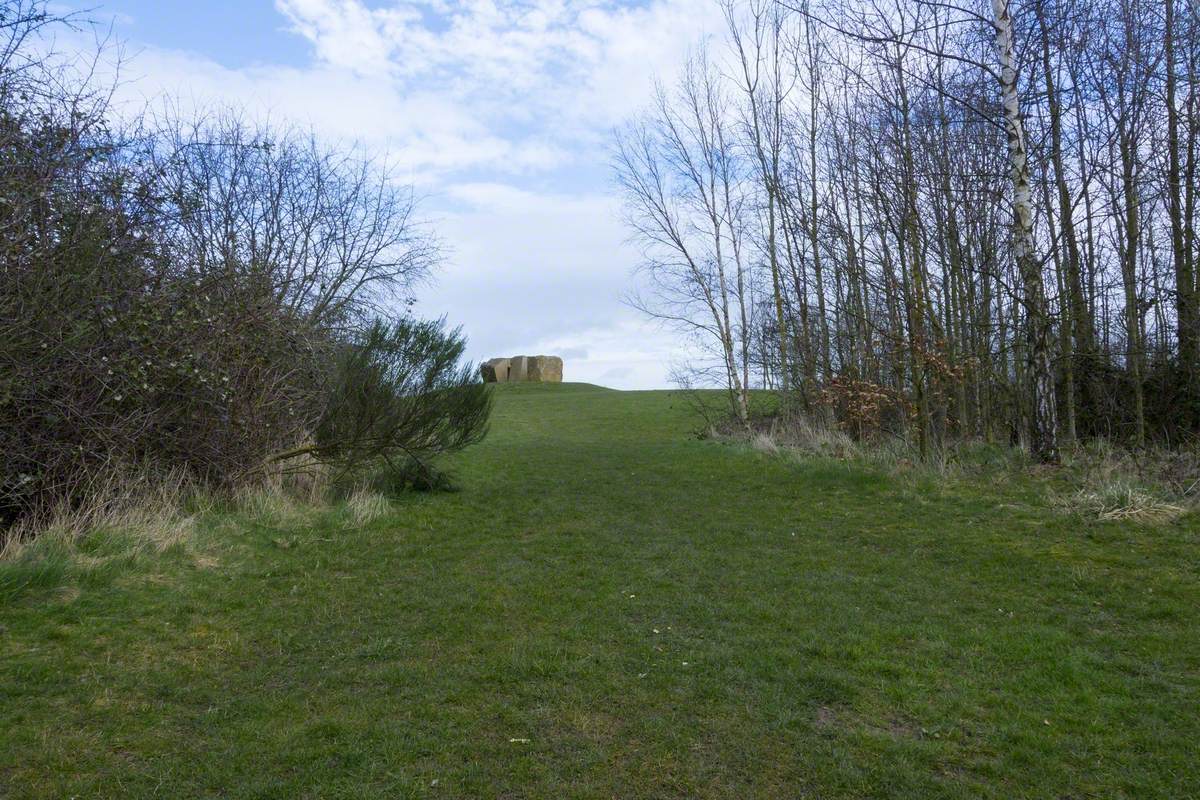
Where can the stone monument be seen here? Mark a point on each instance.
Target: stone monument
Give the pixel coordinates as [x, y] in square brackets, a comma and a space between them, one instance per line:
[523, 369]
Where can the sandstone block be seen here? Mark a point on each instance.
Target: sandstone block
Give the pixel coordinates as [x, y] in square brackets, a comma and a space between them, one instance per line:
[495, 370]
[545, 369]
[518, 369]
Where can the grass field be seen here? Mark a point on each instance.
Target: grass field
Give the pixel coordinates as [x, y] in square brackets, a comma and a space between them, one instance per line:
[612, 608]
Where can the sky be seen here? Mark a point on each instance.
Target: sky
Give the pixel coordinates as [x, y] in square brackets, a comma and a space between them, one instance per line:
[499, 112]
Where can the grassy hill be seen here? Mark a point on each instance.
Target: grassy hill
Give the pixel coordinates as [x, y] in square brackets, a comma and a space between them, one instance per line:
[611, 607]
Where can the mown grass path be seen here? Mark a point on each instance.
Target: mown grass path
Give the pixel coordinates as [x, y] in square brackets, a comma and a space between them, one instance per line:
[612, 608]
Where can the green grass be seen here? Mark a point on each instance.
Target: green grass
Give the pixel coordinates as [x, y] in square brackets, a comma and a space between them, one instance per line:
[612, 608]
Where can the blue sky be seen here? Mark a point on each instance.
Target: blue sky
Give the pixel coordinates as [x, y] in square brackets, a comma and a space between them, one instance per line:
[500, 112]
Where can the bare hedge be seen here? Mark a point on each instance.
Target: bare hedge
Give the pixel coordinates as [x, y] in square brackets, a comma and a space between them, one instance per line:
[184, 297]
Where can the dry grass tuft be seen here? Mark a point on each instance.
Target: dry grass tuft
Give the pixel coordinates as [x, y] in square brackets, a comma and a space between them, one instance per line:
[271, 504]
[149, 510]
[364, 507]
[285, 496]
[1097, 480]
[763, 443]
[790, 433]
[1121, 500]
[155, 512]
[815, 437]
[1150, 486]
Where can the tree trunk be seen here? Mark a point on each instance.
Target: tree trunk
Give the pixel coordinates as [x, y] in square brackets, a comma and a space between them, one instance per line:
[1043, 412]
[1185, 281]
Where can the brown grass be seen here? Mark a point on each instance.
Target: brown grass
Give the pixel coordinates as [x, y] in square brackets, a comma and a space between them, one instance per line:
[1122, 500]
[156, 512]
[150, 510]
[1097, 480]
[364, 507]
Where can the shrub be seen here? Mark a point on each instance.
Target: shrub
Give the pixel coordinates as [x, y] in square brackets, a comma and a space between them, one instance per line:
[115, 358]
[191, 302]
[400, 396]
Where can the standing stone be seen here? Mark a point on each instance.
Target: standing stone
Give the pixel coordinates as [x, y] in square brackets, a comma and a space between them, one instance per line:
[495, 370]
[545, 369]
[522, 369]
[518, 369]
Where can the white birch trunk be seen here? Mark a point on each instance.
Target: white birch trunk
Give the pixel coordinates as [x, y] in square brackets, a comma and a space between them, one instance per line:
[1043, 421]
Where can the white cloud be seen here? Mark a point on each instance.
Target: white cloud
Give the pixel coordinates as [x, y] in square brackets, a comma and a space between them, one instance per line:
[345, 33]
[510, 85]
[500, 111]
[537, 272]
[429, 133]
[564, 68]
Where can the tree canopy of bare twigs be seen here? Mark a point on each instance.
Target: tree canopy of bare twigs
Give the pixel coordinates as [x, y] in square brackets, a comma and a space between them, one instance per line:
[971, 219]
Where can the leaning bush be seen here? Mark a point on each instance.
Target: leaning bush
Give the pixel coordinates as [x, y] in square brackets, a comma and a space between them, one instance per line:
[399, 397]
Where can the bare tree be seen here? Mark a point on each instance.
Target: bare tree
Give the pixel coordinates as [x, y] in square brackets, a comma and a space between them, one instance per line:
[332, 232]
[973, 218]
[683, 183]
